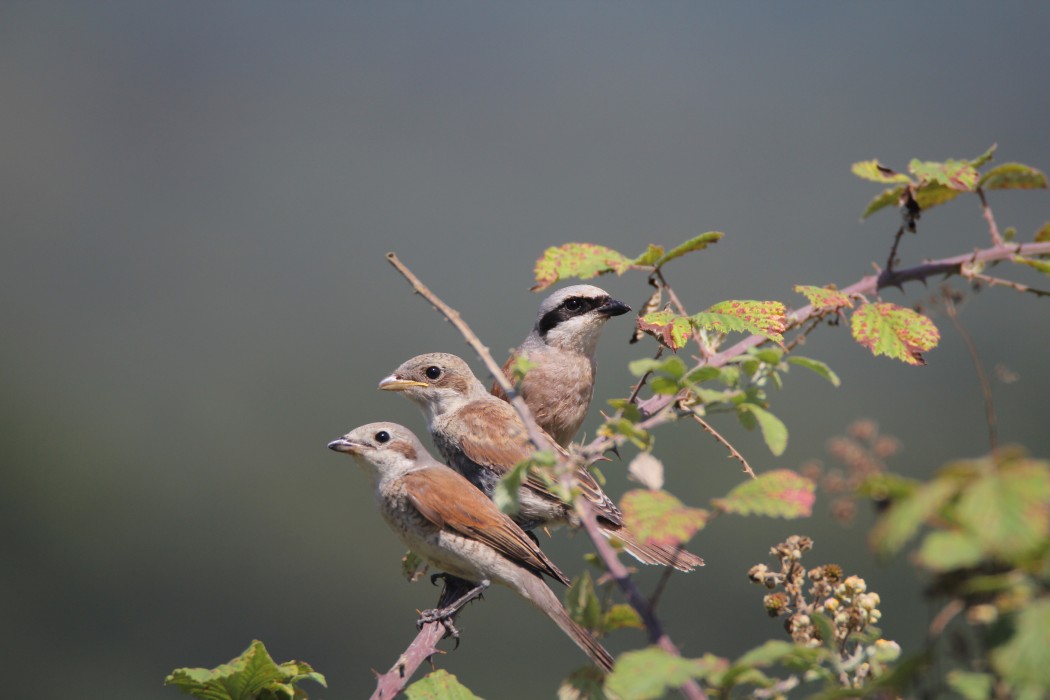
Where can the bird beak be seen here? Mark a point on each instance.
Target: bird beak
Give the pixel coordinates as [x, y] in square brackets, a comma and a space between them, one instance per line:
[613, 308]
[344, 444]
[393, 383]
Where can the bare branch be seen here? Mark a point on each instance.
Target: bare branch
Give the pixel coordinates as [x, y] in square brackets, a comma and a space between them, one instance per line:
[986, 212]
[982, 376]
[733, 452]
[422, 648]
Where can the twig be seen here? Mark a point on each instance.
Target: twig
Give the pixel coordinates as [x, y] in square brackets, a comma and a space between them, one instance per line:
[986, 212]
[982, 376]
[947, 613]
[422, 648]
[892, 260]
[733, 452]
[998, 282]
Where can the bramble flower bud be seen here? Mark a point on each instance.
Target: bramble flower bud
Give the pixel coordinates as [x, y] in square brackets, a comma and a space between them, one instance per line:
[886, 650]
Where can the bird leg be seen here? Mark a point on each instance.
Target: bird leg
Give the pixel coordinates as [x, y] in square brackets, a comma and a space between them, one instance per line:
[457, 593]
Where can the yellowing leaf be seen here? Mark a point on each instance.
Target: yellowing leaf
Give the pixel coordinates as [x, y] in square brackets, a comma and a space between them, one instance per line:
[824, 299]
[984, 157]
[765, 318]
[781, 493]
[1043, 234]
[1013, 176]
[1041, 265]
[620, 616]
[439, 685]
[667, 327]
[650, 256]
[887, 198]
[955, 174]
[931, 194]
[892, 330]
[876, 172]
[698, 243]
[583, 260]
[906, 515]
[657, 517]
[1025, 658]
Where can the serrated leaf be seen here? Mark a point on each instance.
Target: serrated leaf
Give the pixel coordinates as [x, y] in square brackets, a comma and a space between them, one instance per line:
[583, 260]
[1007, 511]
[946, 550]
[1043, 234]
[621, 616]
[876, 172]
[583, 684]
[774, 432]
[1013, 176]
[781, 493]
[650, 256]
[582, 602]
[649, 673]
[887, 198]
[672, 366]
[697, 243]
[824, 299]
[413, 566]
[657, 517]
[439, 685]
[954, 174]
[905, 516]
[253, 674]
[892, 330]
[627, 428]
[984, 157]
[1041, 265]
[815, 366]
[931, 194]
[647, 471]
[667, 327]
[765, 318]
[1025, 658]
[506, 494]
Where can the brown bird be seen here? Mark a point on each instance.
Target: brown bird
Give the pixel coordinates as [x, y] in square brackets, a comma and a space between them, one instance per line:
[482, 437]
[559, 387]
[442, 517]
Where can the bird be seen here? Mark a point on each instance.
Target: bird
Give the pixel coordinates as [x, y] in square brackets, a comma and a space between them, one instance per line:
[442, 517]
[482, 437]
[559, 384]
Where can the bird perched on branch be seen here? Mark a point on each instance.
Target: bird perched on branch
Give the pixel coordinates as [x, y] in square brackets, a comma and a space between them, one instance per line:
[482, 437]
[442, 517]
[559, 383]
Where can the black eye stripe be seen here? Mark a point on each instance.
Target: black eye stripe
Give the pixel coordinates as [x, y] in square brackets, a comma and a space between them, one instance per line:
[562, 312]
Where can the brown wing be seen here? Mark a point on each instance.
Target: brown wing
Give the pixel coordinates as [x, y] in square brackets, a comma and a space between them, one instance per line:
[472, 514]
[496, 391]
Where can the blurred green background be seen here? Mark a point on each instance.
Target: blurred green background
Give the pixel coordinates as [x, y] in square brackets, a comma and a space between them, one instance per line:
[196, 200]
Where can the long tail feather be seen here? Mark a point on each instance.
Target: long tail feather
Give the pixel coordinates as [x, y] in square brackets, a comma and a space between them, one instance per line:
[663, 555]
[539, 594]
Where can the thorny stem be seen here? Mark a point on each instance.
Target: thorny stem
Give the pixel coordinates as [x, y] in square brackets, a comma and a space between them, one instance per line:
[986, 212]
[892, 260]
[733, 452]
[982, 376]
[690, 690]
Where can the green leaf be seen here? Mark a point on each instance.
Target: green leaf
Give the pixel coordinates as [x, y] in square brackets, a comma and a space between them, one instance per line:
[1041, 265]
[948, 550]
[583, 260]
[253, 674]
[971, 685]
[1013, 176]
[823, 298]
[698, 243]
[777, 651]
[583, 684]
[904, 518]
[582, 602]
[657, 517]
[931, 194]
[520, 367]
[649, 673]
[667, 327]
[887, 198]
[815, 366]
[1025, 659]
[672, 366]
[439, 685]
[892, 330]
[627, 428]
[1007, 512]
[1043, 234]
[781, 493]
[650, 256]
[506, 495]
[876, 172]
[954, 174]
[765, 318]
[774, 432]
[620, 616]
[984, 157]
[413, 566]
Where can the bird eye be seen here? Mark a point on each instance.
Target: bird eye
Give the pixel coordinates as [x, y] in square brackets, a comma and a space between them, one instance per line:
[573, 304]
[432, 372]
[382, 436]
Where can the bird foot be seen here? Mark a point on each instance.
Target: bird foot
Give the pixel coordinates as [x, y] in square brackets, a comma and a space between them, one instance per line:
[444, 616]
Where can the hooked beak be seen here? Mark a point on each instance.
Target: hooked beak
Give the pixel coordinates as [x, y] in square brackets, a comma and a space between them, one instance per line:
[344, 444]
[614, 308]
[393, 383]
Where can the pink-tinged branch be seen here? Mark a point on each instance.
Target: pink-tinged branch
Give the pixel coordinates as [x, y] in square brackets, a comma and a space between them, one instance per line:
[422, 648]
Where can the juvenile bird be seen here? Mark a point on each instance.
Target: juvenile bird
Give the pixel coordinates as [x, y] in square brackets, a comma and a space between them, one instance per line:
[558, 388]
[442, 517]
[482, 437]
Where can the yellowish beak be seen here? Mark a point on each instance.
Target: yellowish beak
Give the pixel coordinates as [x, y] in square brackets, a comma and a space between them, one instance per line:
[392, 383]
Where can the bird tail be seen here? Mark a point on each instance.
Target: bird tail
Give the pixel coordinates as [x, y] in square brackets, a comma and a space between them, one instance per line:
[663, 555]
[540, 595]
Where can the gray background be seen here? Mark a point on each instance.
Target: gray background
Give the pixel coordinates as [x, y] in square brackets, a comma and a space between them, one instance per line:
[195, 202]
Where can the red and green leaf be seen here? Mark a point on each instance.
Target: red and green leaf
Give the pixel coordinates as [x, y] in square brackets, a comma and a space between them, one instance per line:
[765, 318]
[876, 172]
[583, 260]
[894, 331]
[657, 517]
[824, 298]
[667, 327]
[779, 494]
[697, 243]
[931, 194]
[955, 174]
[1013, 176]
